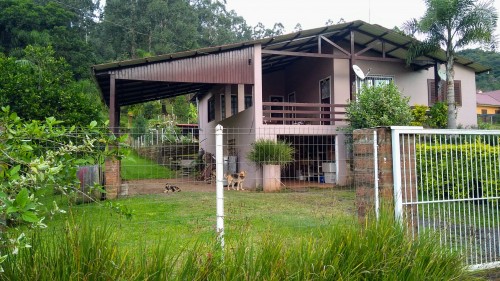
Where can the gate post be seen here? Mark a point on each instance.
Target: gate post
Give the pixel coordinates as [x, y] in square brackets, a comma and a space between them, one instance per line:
[396, 174]
[219, 179]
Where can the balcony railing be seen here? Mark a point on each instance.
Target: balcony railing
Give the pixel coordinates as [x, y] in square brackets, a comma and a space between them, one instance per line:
[293, 113]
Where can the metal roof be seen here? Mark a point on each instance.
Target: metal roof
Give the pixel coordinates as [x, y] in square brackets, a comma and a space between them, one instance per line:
[365, 34]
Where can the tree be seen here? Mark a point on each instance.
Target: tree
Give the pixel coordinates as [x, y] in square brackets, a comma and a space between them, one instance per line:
[378, 106]
[48, 23]
[38, 85]
[40, 156]
[452, 24]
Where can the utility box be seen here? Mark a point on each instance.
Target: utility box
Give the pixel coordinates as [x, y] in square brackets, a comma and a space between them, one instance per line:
[329, 171]
[329, 167]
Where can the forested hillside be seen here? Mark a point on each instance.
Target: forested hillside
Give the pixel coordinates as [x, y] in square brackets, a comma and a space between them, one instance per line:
[489, 81]
[82, 33]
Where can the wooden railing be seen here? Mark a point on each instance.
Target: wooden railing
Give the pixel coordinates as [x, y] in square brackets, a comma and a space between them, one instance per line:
[287, 113]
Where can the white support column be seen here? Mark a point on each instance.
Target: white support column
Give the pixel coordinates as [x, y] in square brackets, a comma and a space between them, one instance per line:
[227, 94]
[396, 175]
[241, 97]
[375, 173]
[219, 162]
[257, 89]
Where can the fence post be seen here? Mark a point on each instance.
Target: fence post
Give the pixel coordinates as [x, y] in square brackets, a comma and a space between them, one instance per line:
[219, 162]
[396, 174]
[375, 172]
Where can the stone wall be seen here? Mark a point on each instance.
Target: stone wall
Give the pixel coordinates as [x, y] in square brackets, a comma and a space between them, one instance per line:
[364, 168]
[112, 178]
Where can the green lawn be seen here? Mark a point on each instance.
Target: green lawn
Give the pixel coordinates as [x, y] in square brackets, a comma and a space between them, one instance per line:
[135, 167]
[186, 216]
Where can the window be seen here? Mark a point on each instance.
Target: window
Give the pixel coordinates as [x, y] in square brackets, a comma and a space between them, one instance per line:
[441, 95]
[497, 111]
[248, 101]
[211, 109]
[373, 80]
[484, 111]
[234, 104]
[223, 106]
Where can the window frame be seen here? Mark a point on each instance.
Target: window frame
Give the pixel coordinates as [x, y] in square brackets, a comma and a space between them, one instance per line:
[433, 98]
[211, 109]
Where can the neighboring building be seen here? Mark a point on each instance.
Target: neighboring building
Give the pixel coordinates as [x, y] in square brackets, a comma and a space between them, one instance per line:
[488, 102]
[488, 106]
[296, 85]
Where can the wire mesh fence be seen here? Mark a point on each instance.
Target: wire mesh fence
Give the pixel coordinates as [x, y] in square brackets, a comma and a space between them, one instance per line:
[168, 183]
[160, 157]
[450, 185]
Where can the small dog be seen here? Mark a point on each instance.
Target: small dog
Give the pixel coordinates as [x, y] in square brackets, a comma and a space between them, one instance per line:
[236, 179]
[172, 188]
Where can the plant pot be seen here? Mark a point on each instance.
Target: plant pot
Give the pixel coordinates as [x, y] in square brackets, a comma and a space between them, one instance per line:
[271, 181]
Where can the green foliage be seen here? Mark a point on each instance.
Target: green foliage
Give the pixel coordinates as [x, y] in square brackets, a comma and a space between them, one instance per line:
[438, 116]
[419, 114]
[37, 155]
[47, 23]
[139, 126]
[271, 152]
[379, 106]
[487, 81]
[452, 25]
[474, 168]
[40, 85]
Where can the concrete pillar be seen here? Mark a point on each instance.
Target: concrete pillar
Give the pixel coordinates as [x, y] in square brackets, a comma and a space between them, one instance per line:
[112, 169]
[241, 97]
[227, 94]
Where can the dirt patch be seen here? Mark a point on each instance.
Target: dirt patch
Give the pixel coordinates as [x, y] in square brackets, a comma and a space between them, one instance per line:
[157, 186]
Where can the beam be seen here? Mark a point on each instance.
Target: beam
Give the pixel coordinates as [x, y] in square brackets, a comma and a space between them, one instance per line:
[112, 104]
[336, 46]
[301, 54]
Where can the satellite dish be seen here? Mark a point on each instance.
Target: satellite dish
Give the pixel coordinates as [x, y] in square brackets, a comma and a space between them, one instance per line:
[358, 72]
[442, 74]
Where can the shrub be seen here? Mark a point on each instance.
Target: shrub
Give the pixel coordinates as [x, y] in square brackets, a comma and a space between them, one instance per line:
[379, 106]
[419, 114]
[438, 116]
[474, 166]
[271, 152]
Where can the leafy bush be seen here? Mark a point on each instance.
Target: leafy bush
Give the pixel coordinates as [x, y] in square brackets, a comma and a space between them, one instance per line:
[474, 166]
[419, 114]
[438, 116]
[41, 155]
[379, 106]
[271, 152]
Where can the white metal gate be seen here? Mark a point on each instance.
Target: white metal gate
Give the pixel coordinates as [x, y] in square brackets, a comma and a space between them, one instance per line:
[448, 182]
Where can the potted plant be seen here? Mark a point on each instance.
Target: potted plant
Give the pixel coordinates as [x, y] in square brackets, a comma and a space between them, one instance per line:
[271, 155]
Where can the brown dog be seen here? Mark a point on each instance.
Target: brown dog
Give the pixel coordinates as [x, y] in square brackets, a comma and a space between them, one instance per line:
[236, 179]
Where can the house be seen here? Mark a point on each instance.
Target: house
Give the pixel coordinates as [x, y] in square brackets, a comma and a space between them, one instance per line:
[292, 87]
[488, 106]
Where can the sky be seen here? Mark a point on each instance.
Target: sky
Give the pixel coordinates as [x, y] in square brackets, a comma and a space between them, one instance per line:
[315, 13]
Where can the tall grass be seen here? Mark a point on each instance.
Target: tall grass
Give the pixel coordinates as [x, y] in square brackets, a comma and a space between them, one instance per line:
[377, 251]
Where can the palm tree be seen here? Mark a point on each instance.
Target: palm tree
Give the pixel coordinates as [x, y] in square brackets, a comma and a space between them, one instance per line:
[452, 25]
